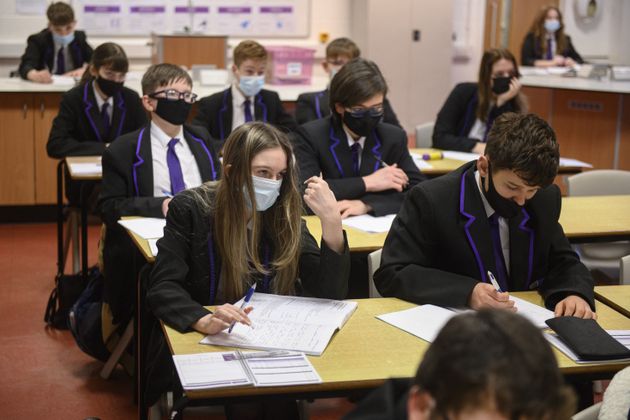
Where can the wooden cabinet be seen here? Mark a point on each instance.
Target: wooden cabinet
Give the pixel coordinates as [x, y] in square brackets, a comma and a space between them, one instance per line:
[189, 50]
[27, 175]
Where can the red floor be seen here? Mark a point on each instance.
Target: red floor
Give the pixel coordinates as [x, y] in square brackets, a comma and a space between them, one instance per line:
[43, 372]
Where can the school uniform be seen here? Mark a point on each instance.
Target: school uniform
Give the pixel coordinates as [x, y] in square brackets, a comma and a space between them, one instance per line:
[222, 112]
[135, 183]
[441, 245]
[457, 126]
[323, 146]
[187, 275]
[315, 105]
[531, 50]
[42, 53]
[387, 402]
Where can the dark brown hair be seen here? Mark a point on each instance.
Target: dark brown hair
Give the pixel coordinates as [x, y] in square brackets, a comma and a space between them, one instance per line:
[344, 47]
[159, 75]
[356, 82]
[109, 55]
[540, 33]
[484, 89]
[494, 356]
[525, 144]
[60, 13]
[249, 49]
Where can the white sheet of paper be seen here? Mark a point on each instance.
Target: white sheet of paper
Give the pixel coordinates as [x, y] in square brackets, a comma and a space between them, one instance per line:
[420, 163]
[424, 321]
[209, 370]
[86, 168]
[60, 80]
[153, 246]
[368, 223]
[574, 162]
[623, 336]
[463, 156]
[292, 369]
[146, 227]
[536, 314]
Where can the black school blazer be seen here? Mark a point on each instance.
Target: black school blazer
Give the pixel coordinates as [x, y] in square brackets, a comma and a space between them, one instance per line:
[40, 54]
[321, 146]
[440, 246]
[214, 113]
[78, 129]
[530, 51]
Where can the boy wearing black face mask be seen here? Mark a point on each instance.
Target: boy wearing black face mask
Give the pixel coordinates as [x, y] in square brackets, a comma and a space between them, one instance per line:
[143, 169]
[365, 161]
[497, 215]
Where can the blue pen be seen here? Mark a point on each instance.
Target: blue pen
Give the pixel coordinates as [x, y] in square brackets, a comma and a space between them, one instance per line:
[248, 297]
[494, 282]
[167, 193]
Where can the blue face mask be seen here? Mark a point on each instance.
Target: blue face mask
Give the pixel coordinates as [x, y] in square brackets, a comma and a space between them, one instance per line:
[552, 25]
[266, 192]
[63, 39]
[251, 85]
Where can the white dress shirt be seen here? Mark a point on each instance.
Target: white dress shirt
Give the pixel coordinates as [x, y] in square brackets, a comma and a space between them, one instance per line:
[478, 130]
[161, 176]
[504, 229]
[238, 107]
[351, 141]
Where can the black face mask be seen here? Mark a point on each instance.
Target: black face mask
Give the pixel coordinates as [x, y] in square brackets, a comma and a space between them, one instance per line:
[362, 126]
[109, 87]
[504, 207]
[175, 112]
[501, 85]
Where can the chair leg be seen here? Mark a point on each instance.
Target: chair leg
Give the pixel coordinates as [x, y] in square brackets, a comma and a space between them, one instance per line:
[74, 233]
[123, 343]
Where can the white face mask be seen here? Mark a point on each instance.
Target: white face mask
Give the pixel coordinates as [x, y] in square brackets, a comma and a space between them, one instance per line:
[552, 25]
[251, 85]
[266, 192]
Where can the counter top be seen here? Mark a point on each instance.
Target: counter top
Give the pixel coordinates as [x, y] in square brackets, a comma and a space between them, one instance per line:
[574, 83]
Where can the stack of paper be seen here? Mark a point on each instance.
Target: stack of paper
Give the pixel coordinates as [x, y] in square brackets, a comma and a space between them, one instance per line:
[86, 168]
[371, 224]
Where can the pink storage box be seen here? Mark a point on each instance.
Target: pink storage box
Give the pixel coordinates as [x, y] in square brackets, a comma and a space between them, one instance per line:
[290, 65]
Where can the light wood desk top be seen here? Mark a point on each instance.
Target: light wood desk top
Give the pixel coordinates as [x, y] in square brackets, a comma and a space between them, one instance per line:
[141, 243]
[71, 162]
[617, 297]
[358, 240]
[367, 351]
[604, 217]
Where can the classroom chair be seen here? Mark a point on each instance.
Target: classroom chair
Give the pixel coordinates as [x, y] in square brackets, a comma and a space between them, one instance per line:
[602, 256]
[589, 413]
[374, 262]
[424, 135]
[624, 270]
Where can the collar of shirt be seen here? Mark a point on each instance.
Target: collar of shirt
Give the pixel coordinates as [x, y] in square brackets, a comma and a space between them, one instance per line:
[100, 101]
[351, 141]
[488, 208]
[162, 138]
[238, 98]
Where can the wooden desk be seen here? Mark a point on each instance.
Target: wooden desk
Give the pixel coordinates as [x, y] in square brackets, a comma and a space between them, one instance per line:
[75, 175]
[141, 243]
[358, 240]
[617, 297]
[367, 351]
[596, 218]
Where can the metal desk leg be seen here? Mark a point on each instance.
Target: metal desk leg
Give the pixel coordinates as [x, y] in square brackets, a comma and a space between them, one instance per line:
[84, 245]
[60, 252]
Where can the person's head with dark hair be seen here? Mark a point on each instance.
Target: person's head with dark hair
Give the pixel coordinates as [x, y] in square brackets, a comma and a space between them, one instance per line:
[490, 364]
[498, 81]
[521, 157]
[108, 66]
[338, 53]
[61, 22]
[250, 64]
[357, 93]
[548, 22]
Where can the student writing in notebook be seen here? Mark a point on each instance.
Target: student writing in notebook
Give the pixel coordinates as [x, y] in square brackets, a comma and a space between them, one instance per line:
[470, 110]
[498, 214]
[314, 105]
[246, 227]
[490, 365]
[143, 169]
[58, 49]
[245, 100]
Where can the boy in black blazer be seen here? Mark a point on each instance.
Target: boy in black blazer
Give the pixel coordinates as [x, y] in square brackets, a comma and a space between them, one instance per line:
[58, 49]
[143, 169]
[314, 105]
[496, 215]
[245, 100]
[365, 161]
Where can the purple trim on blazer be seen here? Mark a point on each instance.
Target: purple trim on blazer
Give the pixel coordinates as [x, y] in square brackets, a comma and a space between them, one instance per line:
[123, 111]
[88, 106]
[213, 276]
[530, 260]
[470, 221]
[221, 111]
[376, 151]
[262, 105]
[335, 143]
[318, 109]
[139, 162]
[214, 173]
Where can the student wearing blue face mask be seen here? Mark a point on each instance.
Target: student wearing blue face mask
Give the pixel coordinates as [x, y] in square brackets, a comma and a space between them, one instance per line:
[245, 228]
[245, 100]
[546, 44]
[58, 49]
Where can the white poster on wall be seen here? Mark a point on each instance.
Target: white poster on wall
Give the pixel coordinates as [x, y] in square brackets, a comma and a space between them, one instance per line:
[102, 17]
[30, 7]
[187, 19]
[146, 17]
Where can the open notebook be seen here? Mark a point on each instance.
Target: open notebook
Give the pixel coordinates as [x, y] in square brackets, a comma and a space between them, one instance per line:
[287, 323]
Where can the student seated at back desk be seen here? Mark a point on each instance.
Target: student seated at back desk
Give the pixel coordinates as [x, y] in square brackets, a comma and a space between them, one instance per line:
[467, 115]
[490, 365]
[497, 215]
[365, 161]
[546, 44]
[314, 105]
[245, 100]
[95, 112]
[58, 49]
[143, 169]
